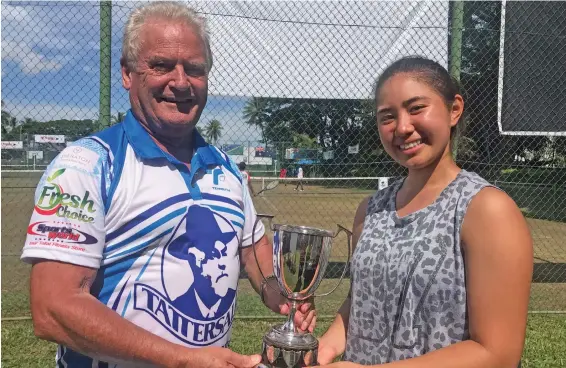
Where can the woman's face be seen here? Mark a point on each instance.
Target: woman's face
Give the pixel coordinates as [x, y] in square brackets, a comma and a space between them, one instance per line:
[414, 122]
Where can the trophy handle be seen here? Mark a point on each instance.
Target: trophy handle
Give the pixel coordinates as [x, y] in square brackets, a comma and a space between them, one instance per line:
[258, 219]
[349, 235]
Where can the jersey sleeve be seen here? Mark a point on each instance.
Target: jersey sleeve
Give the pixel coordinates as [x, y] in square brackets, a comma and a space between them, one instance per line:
[67, 223]
[250, 219]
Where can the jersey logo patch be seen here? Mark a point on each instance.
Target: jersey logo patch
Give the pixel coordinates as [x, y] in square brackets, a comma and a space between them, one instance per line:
[200, 270]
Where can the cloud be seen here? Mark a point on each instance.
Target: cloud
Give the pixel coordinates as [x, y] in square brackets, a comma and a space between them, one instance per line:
[43, 38]
[29, 61]
[20, 33]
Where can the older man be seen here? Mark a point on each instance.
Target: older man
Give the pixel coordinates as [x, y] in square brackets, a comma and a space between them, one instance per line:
[138, 231]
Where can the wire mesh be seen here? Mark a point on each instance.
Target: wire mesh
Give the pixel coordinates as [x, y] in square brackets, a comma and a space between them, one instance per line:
[291, 87]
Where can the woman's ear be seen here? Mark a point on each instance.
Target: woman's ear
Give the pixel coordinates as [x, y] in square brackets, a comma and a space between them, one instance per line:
[457, 110]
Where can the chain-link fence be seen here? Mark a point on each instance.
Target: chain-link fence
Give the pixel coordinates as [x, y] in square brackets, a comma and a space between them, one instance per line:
[291, 87]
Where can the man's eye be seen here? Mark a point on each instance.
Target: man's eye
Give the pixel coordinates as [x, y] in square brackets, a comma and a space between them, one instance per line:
[195, 71]
[161, 67]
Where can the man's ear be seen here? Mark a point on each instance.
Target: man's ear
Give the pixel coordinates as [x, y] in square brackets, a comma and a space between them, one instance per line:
[126, 77]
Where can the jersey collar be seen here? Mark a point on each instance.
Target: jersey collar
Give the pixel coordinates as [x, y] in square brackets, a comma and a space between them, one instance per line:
[146, 148]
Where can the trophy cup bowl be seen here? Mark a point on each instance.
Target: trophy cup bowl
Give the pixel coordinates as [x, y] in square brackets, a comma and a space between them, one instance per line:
[300, 257]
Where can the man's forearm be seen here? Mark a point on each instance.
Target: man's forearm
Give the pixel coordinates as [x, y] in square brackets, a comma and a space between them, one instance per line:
[82, 323]
[264, 252]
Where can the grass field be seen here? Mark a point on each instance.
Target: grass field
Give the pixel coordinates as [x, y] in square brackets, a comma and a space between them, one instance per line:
[319, 205]
[544, 346]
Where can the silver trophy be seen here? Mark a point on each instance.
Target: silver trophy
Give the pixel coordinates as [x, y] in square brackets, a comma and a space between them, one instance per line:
[300, 257]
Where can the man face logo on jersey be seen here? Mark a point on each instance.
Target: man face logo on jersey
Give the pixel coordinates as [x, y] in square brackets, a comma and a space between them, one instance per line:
[199, 274]
[209, 246]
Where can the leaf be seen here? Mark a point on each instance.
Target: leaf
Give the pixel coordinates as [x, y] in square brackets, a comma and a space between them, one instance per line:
[55, 174]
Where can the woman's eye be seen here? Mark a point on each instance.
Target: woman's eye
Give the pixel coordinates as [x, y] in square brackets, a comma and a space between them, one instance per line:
[384, 119]
[416, 108]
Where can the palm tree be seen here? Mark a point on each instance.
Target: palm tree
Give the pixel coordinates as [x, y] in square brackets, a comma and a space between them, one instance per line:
[213, 131]
[8, 121]
[255, 113]
[117, 118]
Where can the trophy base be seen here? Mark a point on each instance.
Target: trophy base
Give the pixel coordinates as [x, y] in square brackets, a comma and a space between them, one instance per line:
[284, 349]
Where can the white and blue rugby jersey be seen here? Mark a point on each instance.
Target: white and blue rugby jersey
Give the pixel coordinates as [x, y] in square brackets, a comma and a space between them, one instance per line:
[165, 239]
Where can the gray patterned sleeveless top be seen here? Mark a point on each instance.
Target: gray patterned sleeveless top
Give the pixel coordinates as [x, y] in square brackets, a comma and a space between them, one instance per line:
[408, 277]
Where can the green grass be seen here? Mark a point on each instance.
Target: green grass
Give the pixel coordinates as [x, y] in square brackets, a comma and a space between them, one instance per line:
[544, 346]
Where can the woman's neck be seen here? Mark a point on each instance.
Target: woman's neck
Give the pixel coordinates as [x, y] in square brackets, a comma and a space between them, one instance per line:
[427, 183]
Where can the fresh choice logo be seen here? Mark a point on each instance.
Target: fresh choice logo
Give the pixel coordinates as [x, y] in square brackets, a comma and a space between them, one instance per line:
[54, 201]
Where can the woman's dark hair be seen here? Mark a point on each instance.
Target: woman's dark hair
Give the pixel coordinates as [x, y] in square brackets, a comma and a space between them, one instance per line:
[242, 165]
[431, 73]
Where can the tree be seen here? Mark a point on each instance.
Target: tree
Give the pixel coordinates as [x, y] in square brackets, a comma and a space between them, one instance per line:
[213, 131]
[119, 117]
[8, 121]
[256, 113]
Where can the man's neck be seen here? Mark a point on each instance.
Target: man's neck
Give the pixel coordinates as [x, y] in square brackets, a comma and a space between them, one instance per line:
[182, 147]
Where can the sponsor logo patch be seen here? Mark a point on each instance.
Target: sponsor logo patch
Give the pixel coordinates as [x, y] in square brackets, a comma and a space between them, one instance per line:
[79, 157]
[54, 201]
[59, 234]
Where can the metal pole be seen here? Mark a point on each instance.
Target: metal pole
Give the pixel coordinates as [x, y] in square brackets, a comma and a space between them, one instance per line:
[455, 62]
[105, 63]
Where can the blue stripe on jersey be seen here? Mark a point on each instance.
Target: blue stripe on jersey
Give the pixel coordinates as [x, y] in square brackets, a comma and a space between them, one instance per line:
[60, 354]
[117, 301]
[137, 279]
[126, 304]
[74, 359]
[144, 231]
[133, 250]
[103, 186]
[112, 274]
[145, 265]
[147, 214]
[221, 199]
[241, 226]
[228, 210]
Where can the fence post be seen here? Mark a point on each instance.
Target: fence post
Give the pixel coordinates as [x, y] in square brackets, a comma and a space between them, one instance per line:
[105, 63]
[455, 63]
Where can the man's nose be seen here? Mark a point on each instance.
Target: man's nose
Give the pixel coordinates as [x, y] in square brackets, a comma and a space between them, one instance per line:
[180, 80]
[222, 267]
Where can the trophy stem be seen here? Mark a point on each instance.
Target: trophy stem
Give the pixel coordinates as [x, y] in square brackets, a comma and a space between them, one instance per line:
[290, 324]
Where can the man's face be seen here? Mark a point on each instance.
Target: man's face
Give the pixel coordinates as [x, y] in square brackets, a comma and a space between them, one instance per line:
[169, 85]
[216, 269]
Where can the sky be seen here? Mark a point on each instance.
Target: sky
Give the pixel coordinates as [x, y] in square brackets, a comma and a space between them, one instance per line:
[50, 53]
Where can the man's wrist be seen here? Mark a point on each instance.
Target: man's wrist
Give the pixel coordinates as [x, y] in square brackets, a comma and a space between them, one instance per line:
[263, 286]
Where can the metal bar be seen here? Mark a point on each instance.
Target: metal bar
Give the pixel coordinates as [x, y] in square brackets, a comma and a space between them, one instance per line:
[105, 63]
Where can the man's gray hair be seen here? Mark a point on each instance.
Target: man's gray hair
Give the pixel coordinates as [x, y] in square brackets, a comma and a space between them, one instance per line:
[168, 10]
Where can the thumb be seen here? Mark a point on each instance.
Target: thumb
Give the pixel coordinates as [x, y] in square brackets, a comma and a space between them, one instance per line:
[244, 361]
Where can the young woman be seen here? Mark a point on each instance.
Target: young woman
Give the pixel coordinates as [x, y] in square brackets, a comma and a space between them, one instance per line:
[442, 268]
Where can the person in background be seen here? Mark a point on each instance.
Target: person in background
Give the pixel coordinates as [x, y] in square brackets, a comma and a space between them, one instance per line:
[443, 260]
[246, 177]
[283, 175]
[139, 231]
[299, 178]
